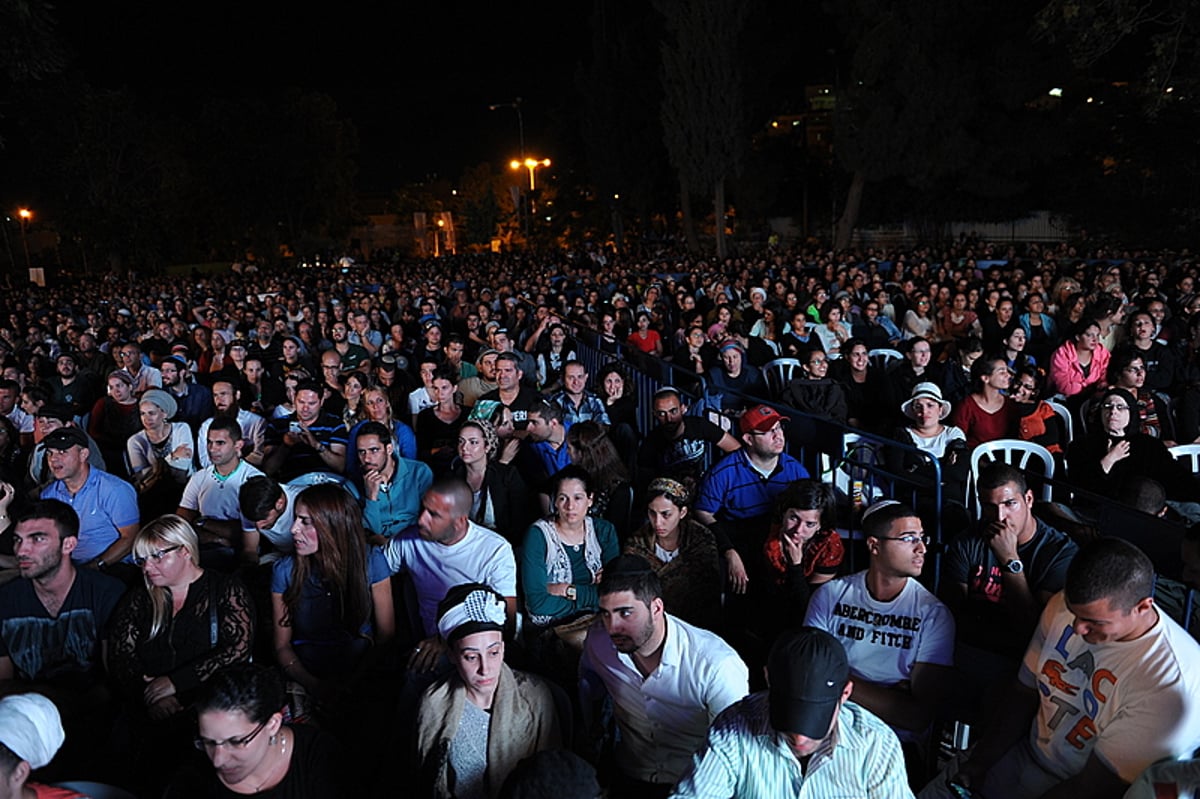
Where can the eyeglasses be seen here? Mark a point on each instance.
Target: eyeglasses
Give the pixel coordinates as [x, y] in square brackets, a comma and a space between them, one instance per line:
[1115, 406]
[203, 744]
[912, 539]
[156, 555]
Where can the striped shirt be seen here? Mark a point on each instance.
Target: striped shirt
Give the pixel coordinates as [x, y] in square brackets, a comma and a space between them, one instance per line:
[744, 758]
[734, 490]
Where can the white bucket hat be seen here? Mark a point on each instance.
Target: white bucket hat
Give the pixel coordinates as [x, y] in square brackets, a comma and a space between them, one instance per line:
[926, 391]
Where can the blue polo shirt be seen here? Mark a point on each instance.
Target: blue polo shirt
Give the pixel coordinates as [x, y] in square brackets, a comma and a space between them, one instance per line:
[734, 490]
[104, 504]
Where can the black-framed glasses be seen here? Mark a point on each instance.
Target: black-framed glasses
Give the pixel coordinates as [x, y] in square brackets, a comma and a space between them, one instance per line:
[912, 539]
[156, 555]
[205, 745]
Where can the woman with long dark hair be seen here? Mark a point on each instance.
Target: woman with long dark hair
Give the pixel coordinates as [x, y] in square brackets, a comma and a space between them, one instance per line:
[682, 551]
[591, 448]
[332, 600]
[500, 498]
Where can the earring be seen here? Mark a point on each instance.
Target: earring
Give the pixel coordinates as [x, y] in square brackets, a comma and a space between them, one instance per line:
[272, 740]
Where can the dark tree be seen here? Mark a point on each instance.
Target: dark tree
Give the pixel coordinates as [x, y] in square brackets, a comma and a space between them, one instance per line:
[620, 124]
[703, 117]
[938, 97]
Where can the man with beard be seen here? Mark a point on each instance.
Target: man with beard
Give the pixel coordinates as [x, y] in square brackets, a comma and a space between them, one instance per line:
[91, 358]
[391, 486]
[264, 346]
[676, 446]
[54, 618]
[668, 680]
[352, 355]
[254, 428]
[194, 401]
[309, 440]
[69, 386]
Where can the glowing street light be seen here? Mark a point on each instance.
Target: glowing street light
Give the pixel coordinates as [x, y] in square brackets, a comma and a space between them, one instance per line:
[25, 216]
[531, 164]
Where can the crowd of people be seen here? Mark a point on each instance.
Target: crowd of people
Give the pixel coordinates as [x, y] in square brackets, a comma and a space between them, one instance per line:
[263, 530]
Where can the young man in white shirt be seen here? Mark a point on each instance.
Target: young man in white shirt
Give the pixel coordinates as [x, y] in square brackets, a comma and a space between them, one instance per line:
[899, 638]
[668, 679]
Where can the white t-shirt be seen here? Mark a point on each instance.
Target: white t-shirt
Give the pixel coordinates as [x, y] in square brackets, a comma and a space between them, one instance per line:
[209, 495]
[1130, 703]
[419, 400]
[936, 445]
[884, 640]
[482, 556]
[254, 433]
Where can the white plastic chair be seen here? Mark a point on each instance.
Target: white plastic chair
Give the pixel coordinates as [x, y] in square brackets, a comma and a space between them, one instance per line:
[882, 357]
[778, 373]
[1022, 454]
[1189, 454]
[1062, 413]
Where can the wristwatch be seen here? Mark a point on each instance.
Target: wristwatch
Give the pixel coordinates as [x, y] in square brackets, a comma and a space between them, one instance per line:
[1014, 566]
[571, 593]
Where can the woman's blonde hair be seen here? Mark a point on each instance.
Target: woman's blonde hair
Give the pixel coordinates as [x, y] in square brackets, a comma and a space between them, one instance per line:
[166, 531]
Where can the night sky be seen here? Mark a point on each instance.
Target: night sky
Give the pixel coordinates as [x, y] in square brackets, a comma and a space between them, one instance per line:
[415, 78]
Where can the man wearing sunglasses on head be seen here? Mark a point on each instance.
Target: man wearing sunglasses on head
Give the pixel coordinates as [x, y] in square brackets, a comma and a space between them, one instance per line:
[898, 637]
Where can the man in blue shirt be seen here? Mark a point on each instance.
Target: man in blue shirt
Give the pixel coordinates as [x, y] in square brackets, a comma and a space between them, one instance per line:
[547, 439]
[740, 489]
[106, 505]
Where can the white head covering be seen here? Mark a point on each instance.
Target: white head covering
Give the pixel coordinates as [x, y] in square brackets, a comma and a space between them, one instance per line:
[31, 727]
[926, 391]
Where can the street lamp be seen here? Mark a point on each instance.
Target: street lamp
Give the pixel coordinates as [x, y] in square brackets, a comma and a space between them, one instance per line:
[531, 164]
[516, 106]
[25, 215]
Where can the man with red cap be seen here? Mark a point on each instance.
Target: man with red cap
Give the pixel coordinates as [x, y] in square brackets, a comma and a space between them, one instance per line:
[741, 489]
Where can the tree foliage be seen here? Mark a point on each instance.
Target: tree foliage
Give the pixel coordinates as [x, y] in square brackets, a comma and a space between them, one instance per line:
[144, 189]
[29, 44]
[620, 123]
[1165, 34]
[938, 97]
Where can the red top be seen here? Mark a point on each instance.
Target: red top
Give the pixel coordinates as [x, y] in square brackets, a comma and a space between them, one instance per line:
[978, 425]
[647, 344]
[50, 792]
[823, 553]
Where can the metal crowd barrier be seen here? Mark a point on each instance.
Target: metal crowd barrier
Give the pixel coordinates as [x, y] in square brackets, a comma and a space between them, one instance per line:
[849, 458]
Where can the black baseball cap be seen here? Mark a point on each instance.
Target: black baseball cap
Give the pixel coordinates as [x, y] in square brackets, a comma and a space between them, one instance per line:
[65, 438]
[807, 672]
[56, 410]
